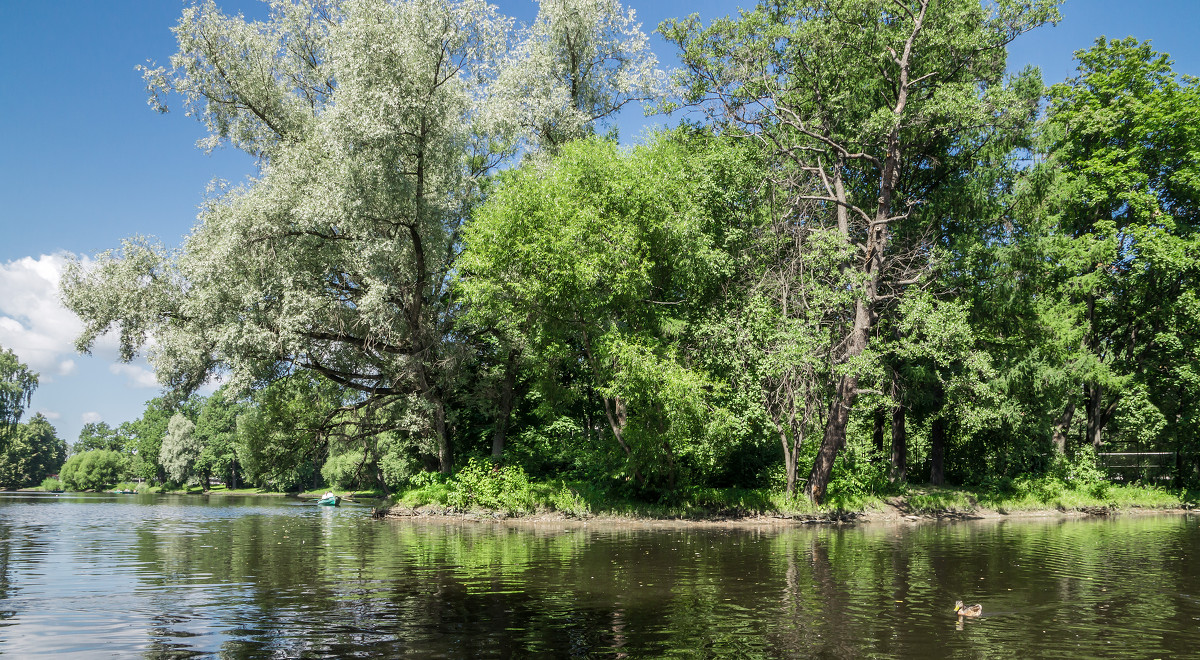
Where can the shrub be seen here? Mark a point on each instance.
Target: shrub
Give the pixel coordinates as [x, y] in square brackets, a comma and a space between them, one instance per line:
[93, 470]
[1082, 468]
[482, 484]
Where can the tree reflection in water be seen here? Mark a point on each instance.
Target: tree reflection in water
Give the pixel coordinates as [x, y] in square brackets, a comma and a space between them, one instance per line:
[177, 577]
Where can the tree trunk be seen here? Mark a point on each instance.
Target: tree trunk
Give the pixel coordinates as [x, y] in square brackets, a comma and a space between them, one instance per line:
[872, 267]
[847, 387]
[834, 438]
[1094, 394]
[899, 471]
[445, 456]
[877, 434]
[789, 460]
[1061, 428]
[615, 410]
[937, 451]
[506, 400]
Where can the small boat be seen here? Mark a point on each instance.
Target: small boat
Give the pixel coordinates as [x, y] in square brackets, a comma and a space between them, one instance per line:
[331, 500]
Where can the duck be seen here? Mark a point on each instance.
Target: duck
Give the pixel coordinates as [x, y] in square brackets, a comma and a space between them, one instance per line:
[974, 610]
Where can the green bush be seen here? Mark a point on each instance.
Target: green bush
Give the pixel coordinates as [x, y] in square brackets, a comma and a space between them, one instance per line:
[93, 470]
[1082, 468]
[50, 483]
[481, 484]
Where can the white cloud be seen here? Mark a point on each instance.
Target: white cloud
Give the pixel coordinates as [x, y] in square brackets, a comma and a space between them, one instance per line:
[136, 375]
[33, 323]
[49, 414]
[91, 417]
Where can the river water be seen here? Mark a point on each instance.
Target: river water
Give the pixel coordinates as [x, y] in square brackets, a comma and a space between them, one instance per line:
[133, 576]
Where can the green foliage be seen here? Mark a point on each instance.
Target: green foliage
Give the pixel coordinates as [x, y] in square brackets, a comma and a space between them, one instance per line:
[341, 471]
[51, 484]
[1080, 469]
[216, 431]
[94, 470]
[482, 484]
[17, 384]
[278, 440]
[99, 435]
[145, 436]
[855, 478]
[686, 325]
[33, 452]
[605, 263]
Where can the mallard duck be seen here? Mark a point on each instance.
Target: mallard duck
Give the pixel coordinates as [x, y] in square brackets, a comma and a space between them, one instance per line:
[974, 610]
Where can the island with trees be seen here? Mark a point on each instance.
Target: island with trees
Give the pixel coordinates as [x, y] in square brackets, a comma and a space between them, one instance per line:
[868, 260]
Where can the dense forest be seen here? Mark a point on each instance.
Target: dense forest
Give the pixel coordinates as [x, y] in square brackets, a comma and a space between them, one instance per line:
[866, 255]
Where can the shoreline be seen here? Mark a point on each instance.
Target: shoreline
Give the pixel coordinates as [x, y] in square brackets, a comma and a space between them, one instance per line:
[890, 515]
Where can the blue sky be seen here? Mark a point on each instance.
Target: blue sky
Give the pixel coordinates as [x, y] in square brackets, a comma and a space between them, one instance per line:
[85, 161]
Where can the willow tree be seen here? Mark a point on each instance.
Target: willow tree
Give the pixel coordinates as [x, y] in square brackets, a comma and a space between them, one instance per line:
[575, 66]
[372, 123]
[868, 107]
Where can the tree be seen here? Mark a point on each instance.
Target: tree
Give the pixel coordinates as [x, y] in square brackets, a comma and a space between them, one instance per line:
[144, 438]
[281, 441]
[99, 435]
[17, 384]
[1121, 140]
[33, 453]
[867, 105]
[579, 63]
[216, 431]
[604, 263]
[180, 450]
[373, 124]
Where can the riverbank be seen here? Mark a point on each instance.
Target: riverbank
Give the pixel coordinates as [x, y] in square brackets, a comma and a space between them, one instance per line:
[911, 505]
[146, 489]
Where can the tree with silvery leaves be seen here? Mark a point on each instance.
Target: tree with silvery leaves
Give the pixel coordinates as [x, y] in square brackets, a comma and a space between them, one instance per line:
[373, 124]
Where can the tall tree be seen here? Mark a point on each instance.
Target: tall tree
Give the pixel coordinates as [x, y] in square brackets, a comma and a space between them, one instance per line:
[144, 438]
[180, 450]
[868, 106]
[608, 262]
[1121, 139]
[373, 123]
[98, 435]
[33, 453]
[578, 63]
[17, 384]
[216, 430]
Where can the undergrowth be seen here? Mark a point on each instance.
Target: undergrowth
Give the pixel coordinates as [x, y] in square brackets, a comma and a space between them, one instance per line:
[483, 486]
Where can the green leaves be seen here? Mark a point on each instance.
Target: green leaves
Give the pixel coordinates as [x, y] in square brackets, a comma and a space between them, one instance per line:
[603, 262]
[17, 384]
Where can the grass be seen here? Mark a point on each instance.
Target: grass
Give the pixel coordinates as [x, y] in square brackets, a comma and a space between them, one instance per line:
[1045, 495]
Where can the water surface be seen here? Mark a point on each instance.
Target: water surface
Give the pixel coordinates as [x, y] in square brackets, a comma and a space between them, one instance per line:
[187, 576]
